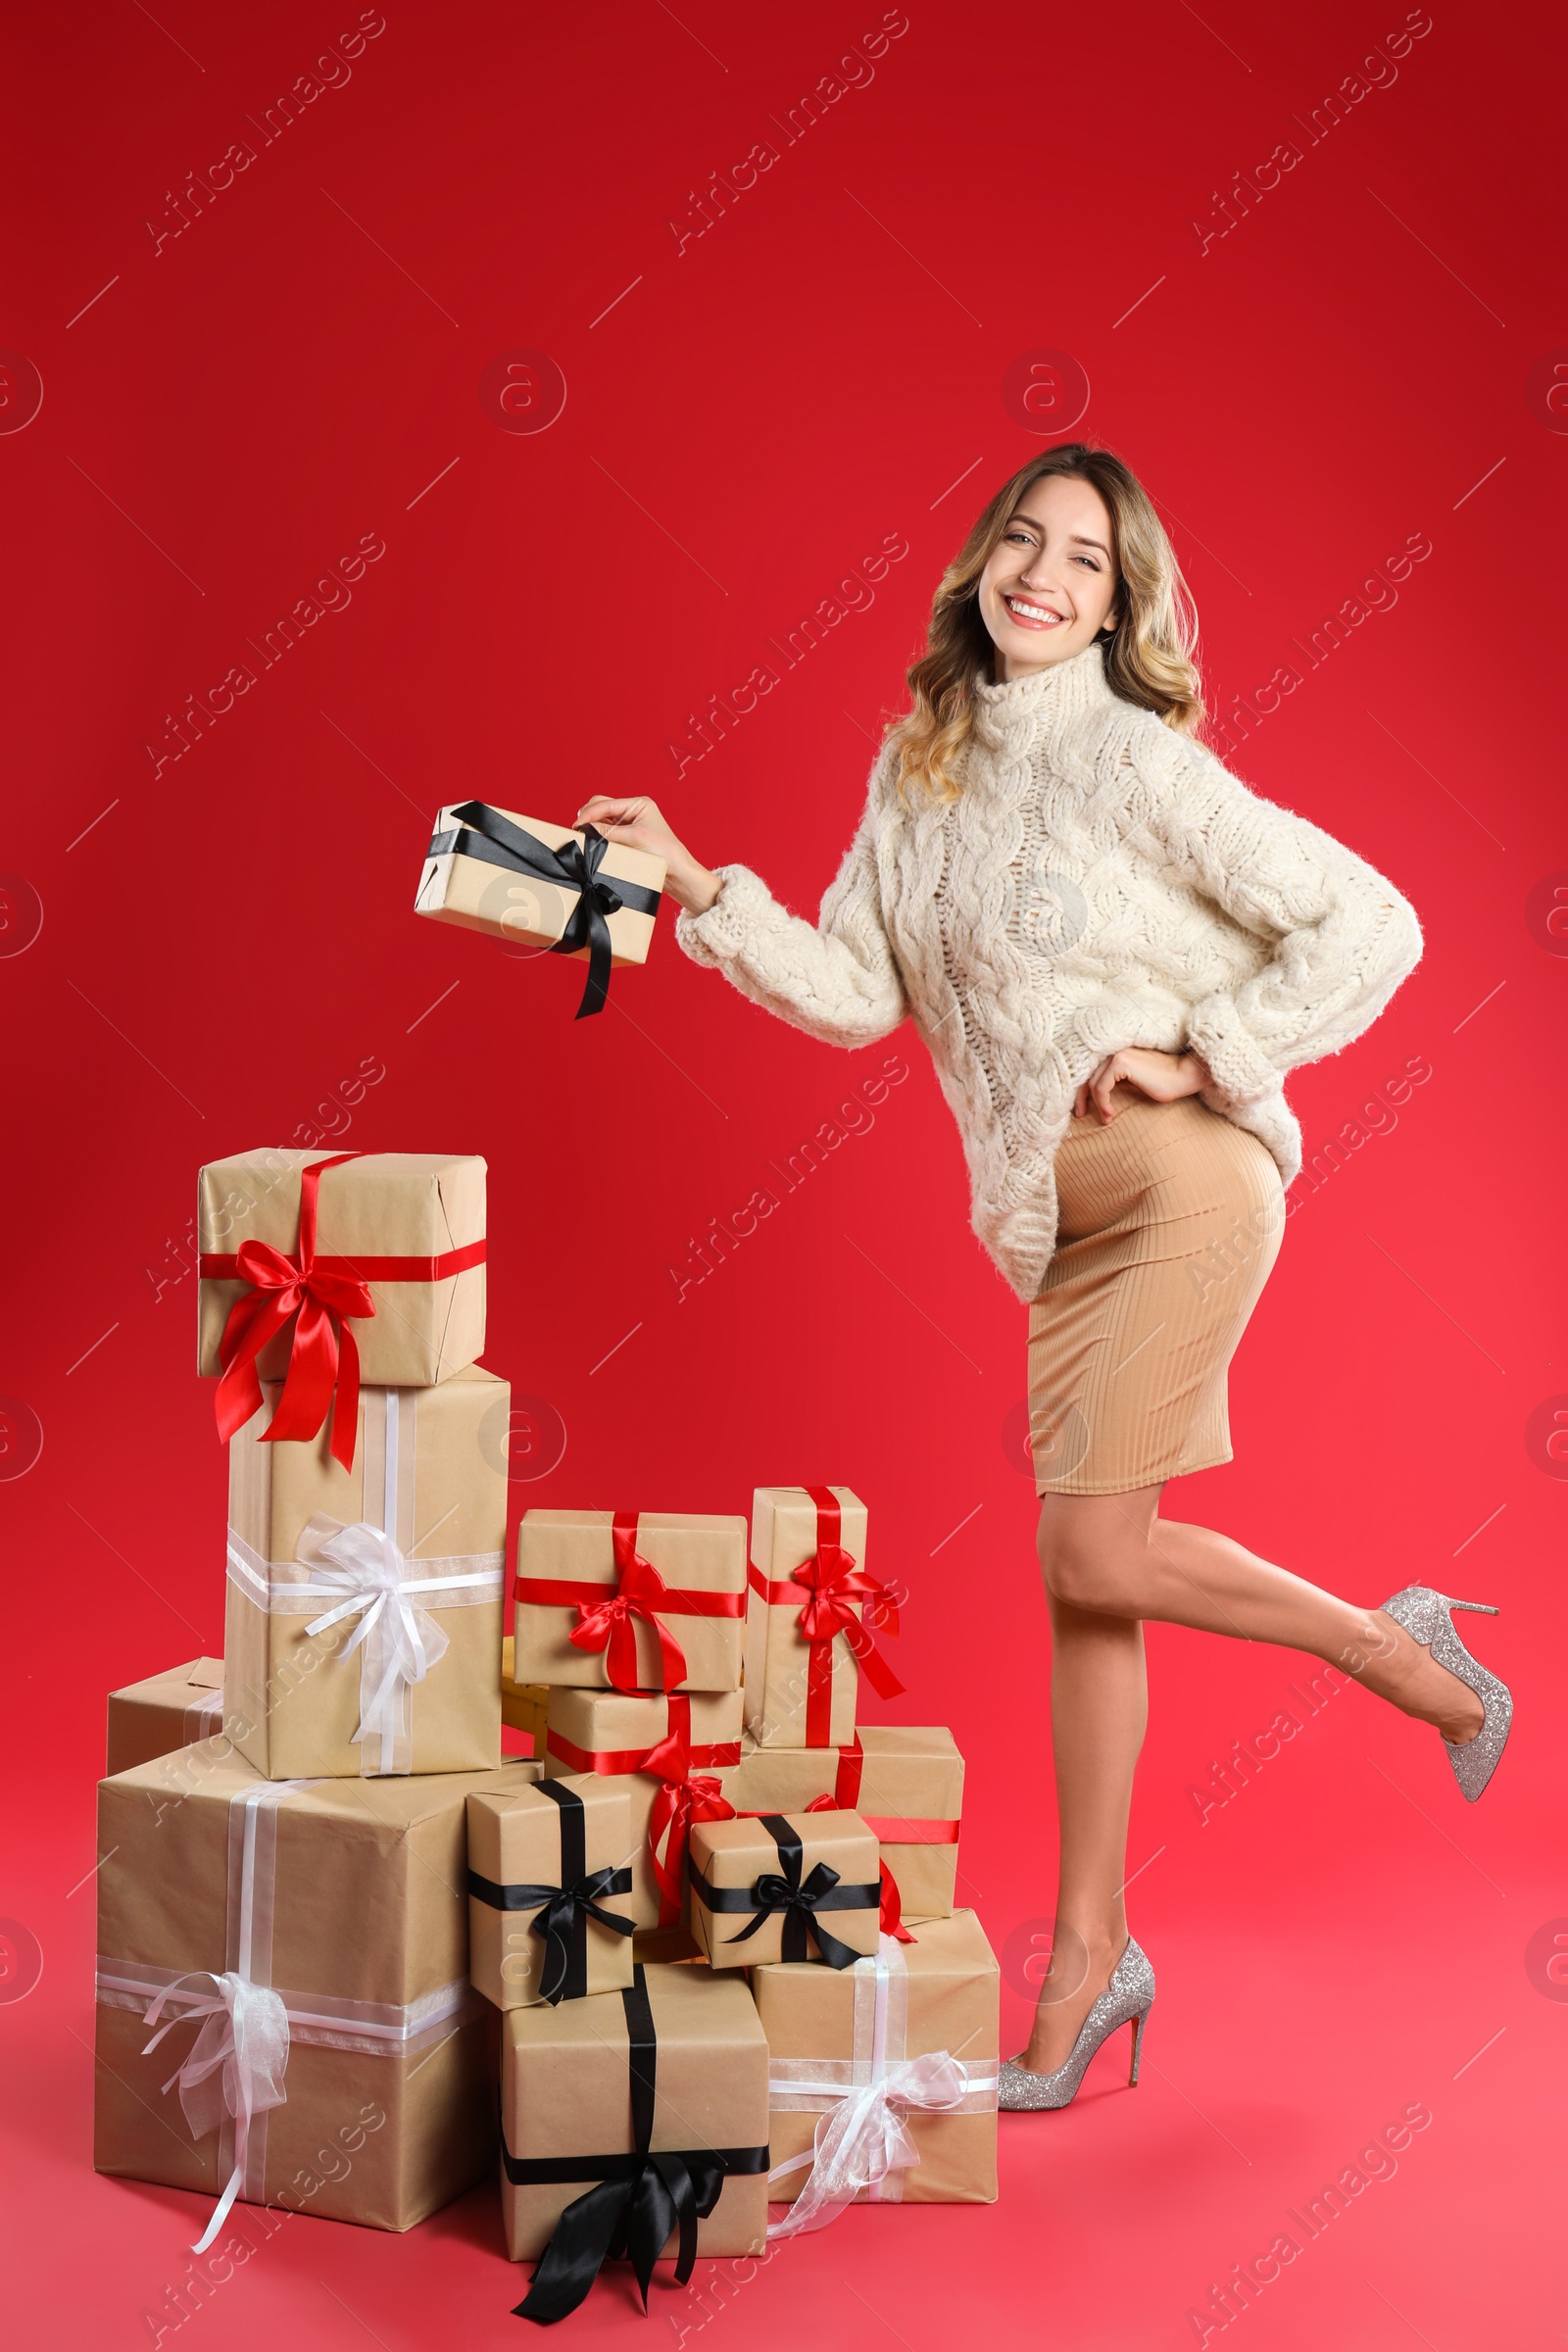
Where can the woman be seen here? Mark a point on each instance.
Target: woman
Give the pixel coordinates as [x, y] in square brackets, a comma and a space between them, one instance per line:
[1114, 953]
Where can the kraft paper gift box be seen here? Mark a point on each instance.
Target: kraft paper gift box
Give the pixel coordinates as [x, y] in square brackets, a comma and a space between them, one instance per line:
[609, 2104]
[548, 1864]
[538, 885]
[784, 1887]
[167, 1712]
[522, 1705]
[915, 2030]
[630, 1600]
[325, 1925]
[332, 1268]
[667, 1751]
[409, 1543]
[805, 1640]
[904, 1781]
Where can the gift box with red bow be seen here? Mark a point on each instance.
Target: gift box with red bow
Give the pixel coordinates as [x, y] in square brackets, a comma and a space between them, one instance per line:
[322, 1269]
[808, 1618]
[629, 1600]
[669, 1753]
[362, 1624]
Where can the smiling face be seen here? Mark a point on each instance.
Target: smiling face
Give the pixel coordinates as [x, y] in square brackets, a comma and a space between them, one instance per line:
[1050, 584]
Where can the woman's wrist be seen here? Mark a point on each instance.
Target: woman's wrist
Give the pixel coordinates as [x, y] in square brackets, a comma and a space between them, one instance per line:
[690, 886]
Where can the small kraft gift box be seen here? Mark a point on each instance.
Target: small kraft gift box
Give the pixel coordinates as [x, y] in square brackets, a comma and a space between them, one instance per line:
[362, 1625]
[630, 1600]
[546, 1865]
[666, 1750]
[882, 2079]
[784, 1887]
[905, 1781]
[522, 1705]
[538, 885]
[292, 1959]
[806, 1641]
[167, 1712]
[323, 1269]
[633, 2121]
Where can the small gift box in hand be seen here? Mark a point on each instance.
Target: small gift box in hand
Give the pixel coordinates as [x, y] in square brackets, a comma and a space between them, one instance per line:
[543, 886]
[784, 1887]
[546, 1865]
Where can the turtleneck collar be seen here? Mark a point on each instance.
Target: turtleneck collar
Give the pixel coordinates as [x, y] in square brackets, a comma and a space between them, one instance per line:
[1058, 692]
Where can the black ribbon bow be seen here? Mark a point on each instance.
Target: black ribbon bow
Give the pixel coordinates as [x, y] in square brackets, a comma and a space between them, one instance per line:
[562, 1913]
[783, 1890]
[637, 2201]
[483, 832]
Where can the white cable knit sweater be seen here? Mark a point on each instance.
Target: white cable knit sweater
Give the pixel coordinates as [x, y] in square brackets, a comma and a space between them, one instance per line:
[1101, 882]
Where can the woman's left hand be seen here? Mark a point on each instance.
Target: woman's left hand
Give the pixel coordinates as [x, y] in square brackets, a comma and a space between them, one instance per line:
[1161, 1077]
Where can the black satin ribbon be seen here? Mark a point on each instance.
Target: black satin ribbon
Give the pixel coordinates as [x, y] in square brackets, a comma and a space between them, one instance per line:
[823, 1891]
[484, 833]
[637, 2201]
[562, 1912]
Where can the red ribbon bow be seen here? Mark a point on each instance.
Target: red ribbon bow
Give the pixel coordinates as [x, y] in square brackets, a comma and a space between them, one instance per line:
[676, 1805]
[322, 1353]
[890, 1911]
[833, 1580]
[607, 1625]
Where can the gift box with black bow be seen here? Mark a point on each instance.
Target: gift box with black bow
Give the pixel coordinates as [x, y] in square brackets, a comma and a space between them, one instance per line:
[634, 2125]
[784, 1887]
[546, 1871]
[543, 886]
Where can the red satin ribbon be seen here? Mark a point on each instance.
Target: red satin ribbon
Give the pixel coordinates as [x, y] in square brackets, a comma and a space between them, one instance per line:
[827, 1586]
[322, 1353]
[676, 1805]
[890, 1910]
[606, 1613]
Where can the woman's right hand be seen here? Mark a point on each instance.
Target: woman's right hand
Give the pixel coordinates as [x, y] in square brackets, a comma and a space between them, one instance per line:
[641, 824]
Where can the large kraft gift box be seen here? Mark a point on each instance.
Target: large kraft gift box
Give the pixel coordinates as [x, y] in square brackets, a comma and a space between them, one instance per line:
[167, 1712]
[489, 869]
[673, 2068]
[668, 1751]
[409, 1226]
[548, 1867]
[795, 1887]
[805, 1643]
[348, 1901]
[423, 1515]
[657, 1598]
[905, 1781]
[522, 1705]
[831, 2033]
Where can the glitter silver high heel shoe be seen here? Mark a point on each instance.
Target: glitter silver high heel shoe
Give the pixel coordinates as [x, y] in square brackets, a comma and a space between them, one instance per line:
[1425, 1617]
[1126, 2000]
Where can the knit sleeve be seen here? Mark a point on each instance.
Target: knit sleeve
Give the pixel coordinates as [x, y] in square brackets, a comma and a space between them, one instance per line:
[836, 979]
[1340, 936]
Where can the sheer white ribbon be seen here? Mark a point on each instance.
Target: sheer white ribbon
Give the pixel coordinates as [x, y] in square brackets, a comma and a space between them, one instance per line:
[233, 2066]
[362, 1570]
[862, 2141]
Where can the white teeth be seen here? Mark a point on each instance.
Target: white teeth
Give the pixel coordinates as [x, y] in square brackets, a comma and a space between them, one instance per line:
[1018, 603]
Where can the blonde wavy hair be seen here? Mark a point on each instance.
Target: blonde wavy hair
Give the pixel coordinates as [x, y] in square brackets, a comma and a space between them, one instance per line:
[1150, 658]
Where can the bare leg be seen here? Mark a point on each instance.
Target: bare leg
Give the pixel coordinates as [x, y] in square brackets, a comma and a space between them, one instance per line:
[1111, 1558]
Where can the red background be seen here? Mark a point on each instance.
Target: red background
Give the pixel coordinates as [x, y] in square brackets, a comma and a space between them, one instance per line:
[225, 941]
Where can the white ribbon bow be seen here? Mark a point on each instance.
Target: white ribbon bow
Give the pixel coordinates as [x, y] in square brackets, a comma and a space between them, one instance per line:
[234, 2066]
[361, 1569]
[864, 2137]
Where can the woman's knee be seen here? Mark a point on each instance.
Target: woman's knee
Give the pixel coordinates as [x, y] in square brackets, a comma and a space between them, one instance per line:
[1079, 1571]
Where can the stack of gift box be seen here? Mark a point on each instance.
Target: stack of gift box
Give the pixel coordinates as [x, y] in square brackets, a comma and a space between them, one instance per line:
[706, 1940]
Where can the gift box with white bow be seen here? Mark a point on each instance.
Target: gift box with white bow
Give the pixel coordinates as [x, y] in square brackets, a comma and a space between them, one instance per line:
[630, 1600]
[166, 1711]
[882, 2078]
[283, 2006]
[363, 1628]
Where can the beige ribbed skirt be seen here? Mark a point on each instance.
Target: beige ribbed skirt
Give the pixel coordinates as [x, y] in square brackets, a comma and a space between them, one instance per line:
[1170, 1220]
